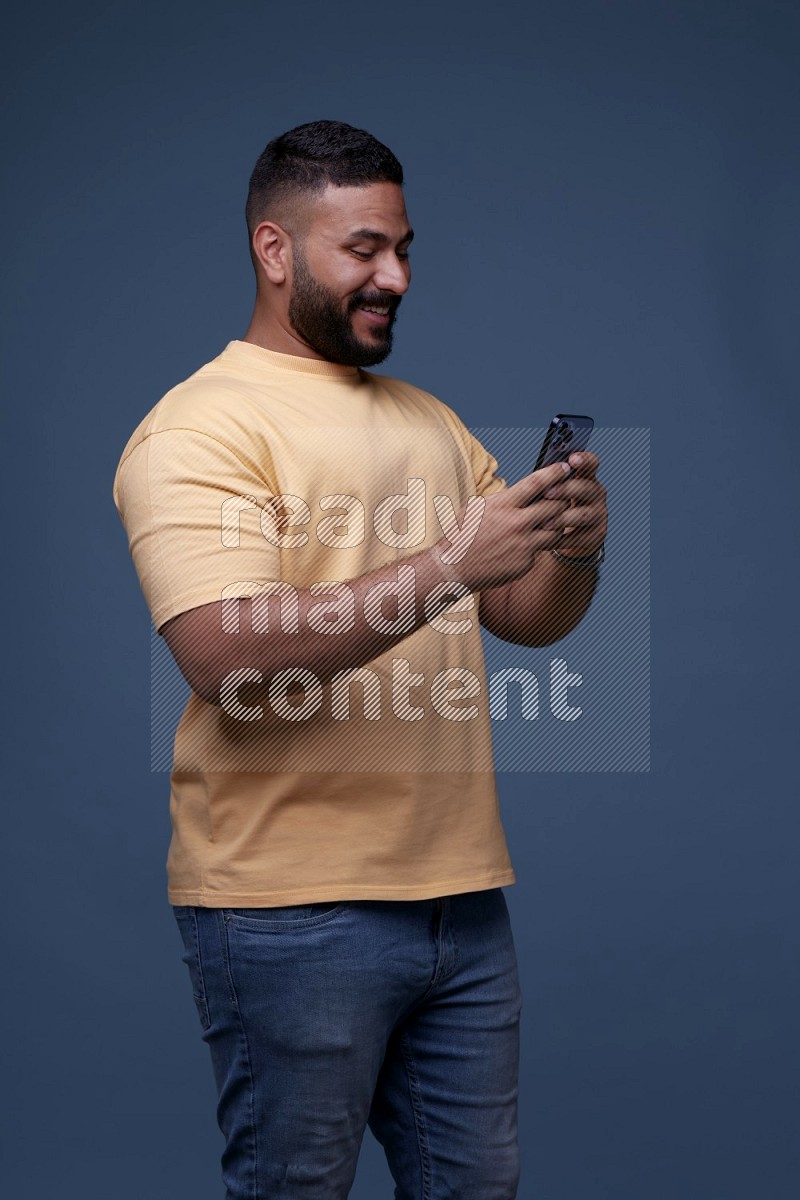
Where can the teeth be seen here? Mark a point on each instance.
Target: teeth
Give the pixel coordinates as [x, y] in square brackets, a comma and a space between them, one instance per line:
[382, 312]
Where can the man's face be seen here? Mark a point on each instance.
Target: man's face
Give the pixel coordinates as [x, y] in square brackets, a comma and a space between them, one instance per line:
[352, 260]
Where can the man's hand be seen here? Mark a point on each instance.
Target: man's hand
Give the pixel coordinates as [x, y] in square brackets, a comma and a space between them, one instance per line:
[542, 605]
[588, 515]
[514, 526]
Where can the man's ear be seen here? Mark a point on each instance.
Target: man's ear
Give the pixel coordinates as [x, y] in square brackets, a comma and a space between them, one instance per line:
[272, 247]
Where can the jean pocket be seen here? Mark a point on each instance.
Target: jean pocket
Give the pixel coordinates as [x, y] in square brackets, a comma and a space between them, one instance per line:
[284, 917]
[187, 924]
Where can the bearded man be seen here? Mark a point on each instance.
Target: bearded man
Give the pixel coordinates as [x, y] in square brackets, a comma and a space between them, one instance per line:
[319, 545]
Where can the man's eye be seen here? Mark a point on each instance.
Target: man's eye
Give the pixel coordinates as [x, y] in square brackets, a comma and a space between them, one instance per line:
[367, 254]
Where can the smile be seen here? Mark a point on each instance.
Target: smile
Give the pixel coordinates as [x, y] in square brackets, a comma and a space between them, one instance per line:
[379, 316]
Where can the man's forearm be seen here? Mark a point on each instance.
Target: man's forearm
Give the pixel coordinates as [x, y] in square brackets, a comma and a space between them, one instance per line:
[541, 606]
[270, 634]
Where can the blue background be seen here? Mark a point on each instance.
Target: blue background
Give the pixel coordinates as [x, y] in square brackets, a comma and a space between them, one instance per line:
[606, 200]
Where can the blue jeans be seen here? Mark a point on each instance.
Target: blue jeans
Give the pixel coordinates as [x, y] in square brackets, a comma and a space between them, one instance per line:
[324, 1018]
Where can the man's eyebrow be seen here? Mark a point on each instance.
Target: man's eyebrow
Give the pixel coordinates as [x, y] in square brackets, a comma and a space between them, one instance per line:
[374, 235]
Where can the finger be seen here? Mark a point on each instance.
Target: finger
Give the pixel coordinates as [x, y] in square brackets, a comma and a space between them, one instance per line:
[584, 463]
[576, 488]
[545, 539]
[581, 518]
[543, 514]
[530, 486]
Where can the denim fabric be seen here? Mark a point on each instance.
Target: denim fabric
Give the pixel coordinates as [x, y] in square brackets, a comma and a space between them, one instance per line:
[323, 1018]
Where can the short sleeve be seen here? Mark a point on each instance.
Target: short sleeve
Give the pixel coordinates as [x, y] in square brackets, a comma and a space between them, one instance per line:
[483, 465]
[191, 510]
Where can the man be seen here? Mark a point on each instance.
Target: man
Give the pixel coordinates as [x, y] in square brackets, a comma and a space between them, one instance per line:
[317, 544]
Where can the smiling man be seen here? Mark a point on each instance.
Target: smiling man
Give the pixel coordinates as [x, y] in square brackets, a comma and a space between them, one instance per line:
[336, 869]
[335, 307]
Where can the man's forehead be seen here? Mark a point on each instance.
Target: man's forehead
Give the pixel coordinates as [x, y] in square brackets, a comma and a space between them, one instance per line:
[348, 210]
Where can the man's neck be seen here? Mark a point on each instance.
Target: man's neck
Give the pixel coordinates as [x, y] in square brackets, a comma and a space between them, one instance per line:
[266, 331]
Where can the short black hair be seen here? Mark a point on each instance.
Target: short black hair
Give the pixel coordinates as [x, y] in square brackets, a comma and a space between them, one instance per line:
[307, 159]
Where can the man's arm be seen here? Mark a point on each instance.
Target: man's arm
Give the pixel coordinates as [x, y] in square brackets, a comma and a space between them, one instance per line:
[549, 600]
[512, 526]
[209, 643]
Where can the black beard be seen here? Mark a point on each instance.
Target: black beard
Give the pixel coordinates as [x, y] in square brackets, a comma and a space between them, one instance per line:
[316, 315]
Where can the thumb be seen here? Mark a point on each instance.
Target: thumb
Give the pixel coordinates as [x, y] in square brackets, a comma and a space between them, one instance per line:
[530, 486]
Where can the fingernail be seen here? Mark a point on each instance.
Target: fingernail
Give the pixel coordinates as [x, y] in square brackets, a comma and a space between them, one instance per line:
[565, 468]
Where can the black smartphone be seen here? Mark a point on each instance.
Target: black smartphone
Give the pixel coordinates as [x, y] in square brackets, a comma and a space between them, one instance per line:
[566, 433]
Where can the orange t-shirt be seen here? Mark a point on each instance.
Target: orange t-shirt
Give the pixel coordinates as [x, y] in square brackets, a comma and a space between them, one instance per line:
[380, 785]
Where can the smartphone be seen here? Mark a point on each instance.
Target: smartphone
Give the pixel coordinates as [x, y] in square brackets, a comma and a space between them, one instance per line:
[566, 434]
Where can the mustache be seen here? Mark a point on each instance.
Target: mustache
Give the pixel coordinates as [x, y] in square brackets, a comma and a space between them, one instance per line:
[376, 300]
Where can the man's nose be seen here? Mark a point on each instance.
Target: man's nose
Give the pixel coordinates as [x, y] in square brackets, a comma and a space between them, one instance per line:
[392, 274]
